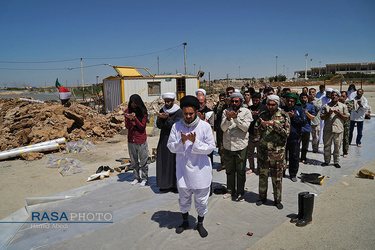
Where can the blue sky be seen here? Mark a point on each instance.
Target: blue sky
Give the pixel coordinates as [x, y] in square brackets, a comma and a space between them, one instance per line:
[239, 38]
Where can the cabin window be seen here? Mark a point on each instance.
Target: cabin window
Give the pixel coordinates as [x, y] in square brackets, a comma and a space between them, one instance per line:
[154, 88]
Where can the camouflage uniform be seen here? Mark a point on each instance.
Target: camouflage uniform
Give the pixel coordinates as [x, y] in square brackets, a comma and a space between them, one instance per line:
[345, 145]
[271, 156]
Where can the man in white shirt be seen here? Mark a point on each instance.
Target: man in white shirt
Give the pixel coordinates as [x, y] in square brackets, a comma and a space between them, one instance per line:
[235, 125]
[357, 116]
[192, 141]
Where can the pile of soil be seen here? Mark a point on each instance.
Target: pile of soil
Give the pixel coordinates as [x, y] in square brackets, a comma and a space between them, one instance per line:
[23, 123]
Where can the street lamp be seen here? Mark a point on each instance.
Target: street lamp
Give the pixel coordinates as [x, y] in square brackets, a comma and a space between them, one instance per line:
[185, 56]
[276, 65]
[97, 77]
[306, 67]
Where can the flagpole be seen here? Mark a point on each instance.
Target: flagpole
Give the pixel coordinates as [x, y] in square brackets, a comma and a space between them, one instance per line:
[83, 85]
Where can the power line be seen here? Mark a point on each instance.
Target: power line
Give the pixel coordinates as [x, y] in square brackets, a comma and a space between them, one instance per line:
[165, 57]
[89, 66]
[99, 58]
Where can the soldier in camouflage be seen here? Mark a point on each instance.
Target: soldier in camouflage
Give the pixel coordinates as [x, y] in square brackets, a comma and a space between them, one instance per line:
[350, 104]
[273, 126]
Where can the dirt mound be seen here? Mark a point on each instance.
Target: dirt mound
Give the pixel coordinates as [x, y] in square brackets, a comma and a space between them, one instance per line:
[23, 123]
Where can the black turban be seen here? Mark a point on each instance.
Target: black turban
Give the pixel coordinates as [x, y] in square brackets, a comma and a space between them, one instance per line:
[189, 101]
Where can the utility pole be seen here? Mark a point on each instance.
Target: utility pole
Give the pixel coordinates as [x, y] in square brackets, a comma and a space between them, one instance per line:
[306, 67]
[83, 85]
[227, 80]
[185, 56]
[276, 65]
[158, 65]
[209, 81]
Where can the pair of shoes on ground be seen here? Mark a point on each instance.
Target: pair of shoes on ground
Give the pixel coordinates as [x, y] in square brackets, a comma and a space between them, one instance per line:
[142, 184]
[104, 168]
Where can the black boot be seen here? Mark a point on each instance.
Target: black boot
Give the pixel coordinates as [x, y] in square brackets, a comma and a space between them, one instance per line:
[300, 207]
[185, 223]
[201, 230]
[308, 204]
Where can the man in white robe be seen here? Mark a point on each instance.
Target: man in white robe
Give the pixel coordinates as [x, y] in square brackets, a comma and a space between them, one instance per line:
[192, 140]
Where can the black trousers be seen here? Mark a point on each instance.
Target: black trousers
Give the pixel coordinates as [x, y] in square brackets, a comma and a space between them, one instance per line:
[305, 145]
[292, 150]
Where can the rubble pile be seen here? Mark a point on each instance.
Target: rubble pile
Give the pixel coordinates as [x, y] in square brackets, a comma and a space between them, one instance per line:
[24, 123]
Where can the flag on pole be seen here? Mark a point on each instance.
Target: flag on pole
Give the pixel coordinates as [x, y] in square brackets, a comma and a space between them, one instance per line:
[64, 94]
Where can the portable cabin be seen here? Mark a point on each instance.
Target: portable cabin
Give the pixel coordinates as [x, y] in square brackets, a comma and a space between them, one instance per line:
[136, 80]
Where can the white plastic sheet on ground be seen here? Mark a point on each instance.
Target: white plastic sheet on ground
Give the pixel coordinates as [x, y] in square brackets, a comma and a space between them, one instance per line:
[66, 166]
[82, 146]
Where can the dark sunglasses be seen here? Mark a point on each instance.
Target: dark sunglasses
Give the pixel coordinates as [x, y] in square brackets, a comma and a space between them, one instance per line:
[234, 101]
[269, 104]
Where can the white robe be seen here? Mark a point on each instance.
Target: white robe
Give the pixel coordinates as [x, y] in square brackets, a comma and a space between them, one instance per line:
[193, 166]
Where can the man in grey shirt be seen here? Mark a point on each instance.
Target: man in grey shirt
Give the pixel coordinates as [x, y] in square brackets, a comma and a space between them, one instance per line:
[235, 125]
[315, 123]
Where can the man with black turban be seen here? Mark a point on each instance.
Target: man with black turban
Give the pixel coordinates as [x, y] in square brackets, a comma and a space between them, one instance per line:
[192, 141]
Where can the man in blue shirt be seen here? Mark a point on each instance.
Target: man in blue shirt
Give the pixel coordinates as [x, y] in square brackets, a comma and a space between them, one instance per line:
[306, 129]
[298, 119]
[321, 92]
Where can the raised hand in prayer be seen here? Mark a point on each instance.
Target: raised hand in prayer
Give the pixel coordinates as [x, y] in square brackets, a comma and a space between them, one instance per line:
[190, 137]
[200, 115]
[163, 115]
[265, 123]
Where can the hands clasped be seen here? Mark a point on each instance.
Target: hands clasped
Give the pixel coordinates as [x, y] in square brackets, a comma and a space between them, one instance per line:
[191, 137]
[231, 114]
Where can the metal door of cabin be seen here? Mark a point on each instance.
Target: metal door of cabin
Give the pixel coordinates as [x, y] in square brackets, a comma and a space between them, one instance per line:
[112, 91]
[181, 88]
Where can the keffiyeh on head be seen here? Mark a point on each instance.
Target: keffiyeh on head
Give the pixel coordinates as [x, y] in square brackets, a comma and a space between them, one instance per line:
[274, 98]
